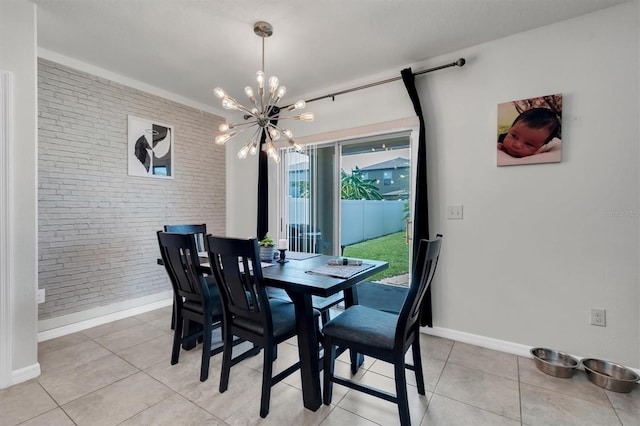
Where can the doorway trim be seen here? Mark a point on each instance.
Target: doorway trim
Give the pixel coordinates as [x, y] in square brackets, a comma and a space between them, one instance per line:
[6, 112]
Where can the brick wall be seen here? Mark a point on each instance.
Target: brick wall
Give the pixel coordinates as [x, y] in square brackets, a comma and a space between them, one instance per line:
[97, 225]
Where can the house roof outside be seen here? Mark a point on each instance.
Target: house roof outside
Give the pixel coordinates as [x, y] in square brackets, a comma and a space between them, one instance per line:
[389, 164]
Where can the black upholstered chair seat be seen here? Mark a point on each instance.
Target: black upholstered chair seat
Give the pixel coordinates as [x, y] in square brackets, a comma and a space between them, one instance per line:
[196, 306]
[322, 304]
[284, 319]
[364, 326]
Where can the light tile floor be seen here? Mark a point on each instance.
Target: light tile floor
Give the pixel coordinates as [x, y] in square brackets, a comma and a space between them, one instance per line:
[119, 374]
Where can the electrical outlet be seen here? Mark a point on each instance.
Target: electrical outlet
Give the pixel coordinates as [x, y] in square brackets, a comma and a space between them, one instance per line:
[41, 295]
[454, 212]
[599, 317]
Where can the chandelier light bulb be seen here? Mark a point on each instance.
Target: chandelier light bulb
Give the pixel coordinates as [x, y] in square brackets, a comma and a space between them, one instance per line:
[298, 105]
[222, 139]
[224, 127]
[280, 93]
[270, 149]
[273, 84]
[287, 133]
[307, 116]
[249, 92]
[219, 92]
[260, 79]
[254, 148]
[242, 154]
[229, 103]
[274, 133]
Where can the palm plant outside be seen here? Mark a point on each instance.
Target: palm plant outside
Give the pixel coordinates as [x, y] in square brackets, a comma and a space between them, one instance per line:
[355, 187]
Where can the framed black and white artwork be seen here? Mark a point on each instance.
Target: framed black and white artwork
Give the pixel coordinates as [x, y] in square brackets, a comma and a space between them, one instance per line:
[150, 147]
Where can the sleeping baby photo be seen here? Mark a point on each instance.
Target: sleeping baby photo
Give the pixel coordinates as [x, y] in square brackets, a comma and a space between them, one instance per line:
[529, 131]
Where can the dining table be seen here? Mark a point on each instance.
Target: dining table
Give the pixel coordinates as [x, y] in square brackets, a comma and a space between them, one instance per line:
[303, 276]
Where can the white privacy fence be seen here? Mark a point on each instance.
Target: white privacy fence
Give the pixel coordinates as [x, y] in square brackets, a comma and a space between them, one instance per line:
[361, 219]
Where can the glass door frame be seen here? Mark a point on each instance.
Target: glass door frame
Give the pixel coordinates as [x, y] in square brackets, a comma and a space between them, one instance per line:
[339, 138]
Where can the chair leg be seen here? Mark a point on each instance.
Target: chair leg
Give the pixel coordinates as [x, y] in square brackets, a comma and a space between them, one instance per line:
[329, 364]
[325, 316]
[401, 393]
[267, 369]
[226, 358]
[177, 337]
[417, 365]
[173, 314]
[206, 350]
[356, 361]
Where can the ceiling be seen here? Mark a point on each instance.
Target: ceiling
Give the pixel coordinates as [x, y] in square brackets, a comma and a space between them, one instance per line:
[188, 47]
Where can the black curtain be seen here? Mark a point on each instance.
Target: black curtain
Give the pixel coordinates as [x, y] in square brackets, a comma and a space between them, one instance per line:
[263, 190]
[263, 181]
[421, 211]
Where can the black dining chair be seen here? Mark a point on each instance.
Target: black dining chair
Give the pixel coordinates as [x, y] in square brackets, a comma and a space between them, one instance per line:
[196, 298]
[384, 335]
[200, 231]
[248, 312]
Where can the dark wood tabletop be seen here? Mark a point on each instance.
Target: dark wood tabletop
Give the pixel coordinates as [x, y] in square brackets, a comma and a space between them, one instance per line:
[295, 278]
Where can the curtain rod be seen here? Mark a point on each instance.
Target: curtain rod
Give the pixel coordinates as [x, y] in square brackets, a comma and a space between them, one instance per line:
[459, 63]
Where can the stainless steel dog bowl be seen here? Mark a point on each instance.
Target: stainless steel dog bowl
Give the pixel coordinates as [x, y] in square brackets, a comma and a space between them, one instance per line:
[554, 363]
[609, 375]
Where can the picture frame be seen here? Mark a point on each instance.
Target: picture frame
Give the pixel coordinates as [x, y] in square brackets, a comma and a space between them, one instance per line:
[530, 131]
[150, 148]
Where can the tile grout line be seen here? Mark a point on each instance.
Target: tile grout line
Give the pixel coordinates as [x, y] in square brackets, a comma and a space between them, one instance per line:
[519, 390]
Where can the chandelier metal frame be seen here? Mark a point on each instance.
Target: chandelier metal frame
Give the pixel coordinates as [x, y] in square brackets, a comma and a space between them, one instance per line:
[264, 114]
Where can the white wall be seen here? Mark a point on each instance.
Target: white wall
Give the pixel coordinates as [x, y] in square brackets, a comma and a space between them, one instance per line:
[540, 244]
[18, 329]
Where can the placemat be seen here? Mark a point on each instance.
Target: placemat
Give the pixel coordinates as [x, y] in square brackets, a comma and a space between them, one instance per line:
[340, 271]
[298, 255]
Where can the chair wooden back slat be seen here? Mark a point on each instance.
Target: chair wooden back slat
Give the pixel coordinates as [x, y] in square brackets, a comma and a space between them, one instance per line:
[235, 264]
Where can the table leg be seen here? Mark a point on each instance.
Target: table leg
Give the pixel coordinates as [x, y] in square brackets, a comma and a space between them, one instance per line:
[307, 350]
[189, 327]
[351, 298]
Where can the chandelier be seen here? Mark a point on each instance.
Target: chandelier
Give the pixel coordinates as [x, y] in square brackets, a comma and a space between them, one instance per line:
[264, 114]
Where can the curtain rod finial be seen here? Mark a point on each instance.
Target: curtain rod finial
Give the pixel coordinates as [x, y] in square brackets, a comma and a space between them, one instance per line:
[460, 62]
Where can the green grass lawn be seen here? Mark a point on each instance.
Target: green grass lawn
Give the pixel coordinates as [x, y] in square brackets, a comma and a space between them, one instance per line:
[391, 248]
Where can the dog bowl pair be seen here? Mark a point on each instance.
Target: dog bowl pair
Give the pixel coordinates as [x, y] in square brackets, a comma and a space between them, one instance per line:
[606, 374]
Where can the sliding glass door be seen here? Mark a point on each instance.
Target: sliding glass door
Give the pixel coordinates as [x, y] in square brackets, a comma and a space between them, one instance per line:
[351, 198]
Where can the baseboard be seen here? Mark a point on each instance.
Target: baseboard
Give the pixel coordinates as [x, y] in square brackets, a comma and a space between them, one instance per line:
[482, 341]
[25, 373]
[490, 343]
[61, 326]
